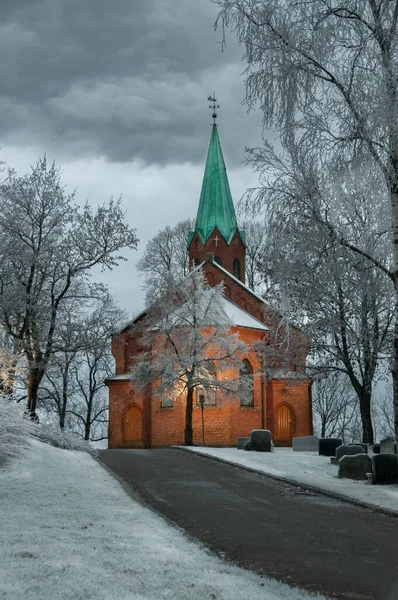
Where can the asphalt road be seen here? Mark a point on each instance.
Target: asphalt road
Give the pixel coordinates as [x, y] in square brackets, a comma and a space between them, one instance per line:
[276, 529]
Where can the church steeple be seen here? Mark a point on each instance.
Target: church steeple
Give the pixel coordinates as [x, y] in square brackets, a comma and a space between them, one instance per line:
[216, 227]
[216, 208]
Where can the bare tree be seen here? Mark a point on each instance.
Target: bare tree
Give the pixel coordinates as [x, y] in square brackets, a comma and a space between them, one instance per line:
[73, 386]
[165, 256]
[334, 406]
[49, 246]
[255, 254]
[314, 68]
[189, 344]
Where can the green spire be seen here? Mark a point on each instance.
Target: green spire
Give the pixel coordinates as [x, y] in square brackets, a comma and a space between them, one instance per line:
[216, 208]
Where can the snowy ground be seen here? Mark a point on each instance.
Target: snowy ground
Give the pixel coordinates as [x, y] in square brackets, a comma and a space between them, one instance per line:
[308, 468]
[68, 530]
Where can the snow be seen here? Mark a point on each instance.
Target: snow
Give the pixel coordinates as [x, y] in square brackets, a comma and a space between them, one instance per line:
[307, 468]
[68, 530]
[238, 316]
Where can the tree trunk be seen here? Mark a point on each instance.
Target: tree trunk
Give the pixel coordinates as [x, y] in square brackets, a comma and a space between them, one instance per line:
[34, 378]
[394, 211]
[64, 401]
[366, 417]
[394, 369]
[188, 418]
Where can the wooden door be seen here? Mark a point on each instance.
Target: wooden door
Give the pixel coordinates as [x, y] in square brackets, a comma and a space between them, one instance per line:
[283, 424]
[132, 431]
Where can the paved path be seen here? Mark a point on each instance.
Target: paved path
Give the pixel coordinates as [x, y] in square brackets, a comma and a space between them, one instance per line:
[274, 528]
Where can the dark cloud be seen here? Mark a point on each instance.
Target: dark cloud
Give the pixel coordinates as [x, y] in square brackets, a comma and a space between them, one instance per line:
[122, 79]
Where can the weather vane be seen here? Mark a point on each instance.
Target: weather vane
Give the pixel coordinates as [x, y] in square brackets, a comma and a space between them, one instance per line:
[213, 106]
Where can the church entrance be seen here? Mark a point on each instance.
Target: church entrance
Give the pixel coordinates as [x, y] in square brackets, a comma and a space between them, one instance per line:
[132, 428]
[283, 433]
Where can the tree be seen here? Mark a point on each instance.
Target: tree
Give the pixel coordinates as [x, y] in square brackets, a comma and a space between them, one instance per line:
[325, 75]
[165, 256]
[189, 344]
[255, 252]
[334, 407]
[344, 303]
[49, 245]
[73, 386]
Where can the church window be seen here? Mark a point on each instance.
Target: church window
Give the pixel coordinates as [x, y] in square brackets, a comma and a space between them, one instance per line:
[246, 374]
[217, 259]
[236, 268]
[205, 394]
[196, 262]
[166, 403]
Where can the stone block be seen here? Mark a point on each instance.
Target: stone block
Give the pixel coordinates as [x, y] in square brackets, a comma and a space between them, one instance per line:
[355, 466]
[385, 468]
[387, 446]
[241, 442]
[327, 446]
[260, 440]
[306, 443]
[344, 450]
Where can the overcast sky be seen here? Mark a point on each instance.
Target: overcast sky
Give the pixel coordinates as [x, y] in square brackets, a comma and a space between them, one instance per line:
[116, 93]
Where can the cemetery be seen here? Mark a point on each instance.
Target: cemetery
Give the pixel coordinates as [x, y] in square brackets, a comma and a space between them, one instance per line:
[351, 471]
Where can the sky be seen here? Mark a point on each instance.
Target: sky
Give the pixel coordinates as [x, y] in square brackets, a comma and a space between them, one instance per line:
[116, 93]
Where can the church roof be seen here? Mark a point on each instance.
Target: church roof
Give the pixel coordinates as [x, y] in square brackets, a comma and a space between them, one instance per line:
[216, 208]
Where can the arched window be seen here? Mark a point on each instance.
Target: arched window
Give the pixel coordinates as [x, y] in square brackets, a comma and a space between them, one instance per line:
[206, 395]
[217, 259]
[246, 375]
[236, 268]
[196, 262]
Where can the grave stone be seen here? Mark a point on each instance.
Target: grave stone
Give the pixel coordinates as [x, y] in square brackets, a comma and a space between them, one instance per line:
[385, 468]
[387, 446]
[364, 446]
[260, 440]
[306, 443]
[241, 442]
[247, 445]
[344, 450]
[327, 446]
[355, 466]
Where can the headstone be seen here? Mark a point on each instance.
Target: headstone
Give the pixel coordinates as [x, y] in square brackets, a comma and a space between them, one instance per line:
[306, 443]
[241, 442]
[364, 446]
[327, 446]
[387, 446]
[344, 450]
[247, 445]
[260, 440]
[355, 466]
[385, 468]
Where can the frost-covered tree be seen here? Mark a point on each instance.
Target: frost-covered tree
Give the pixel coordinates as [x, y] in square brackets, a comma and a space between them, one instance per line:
[334, 407]
[256, 244]
[345, 303]
[325, 75]
[189, 343]
[165, 256]
[73, 387]
[48, 248]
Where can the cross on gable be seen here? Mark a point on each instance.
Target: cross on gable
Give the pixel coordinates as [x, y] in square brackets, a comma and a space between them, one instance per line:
[216, 240]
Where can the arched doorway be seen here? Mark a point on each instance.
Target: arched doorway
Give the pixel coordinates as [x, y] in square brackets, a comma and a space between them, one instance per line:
[283, 432]
[132, 427]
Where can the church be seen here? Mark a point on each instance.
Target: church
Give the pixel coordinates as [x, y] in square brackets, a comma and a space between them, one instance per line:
[281, 396]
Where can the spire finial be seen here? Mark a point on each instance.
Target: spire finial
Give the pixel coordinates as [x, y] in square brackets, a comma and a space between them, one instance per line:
[213, 106]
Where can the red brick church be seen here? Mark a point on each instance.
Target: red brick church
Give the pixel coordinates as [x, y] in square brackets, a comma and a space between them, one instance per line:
[281, 399]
